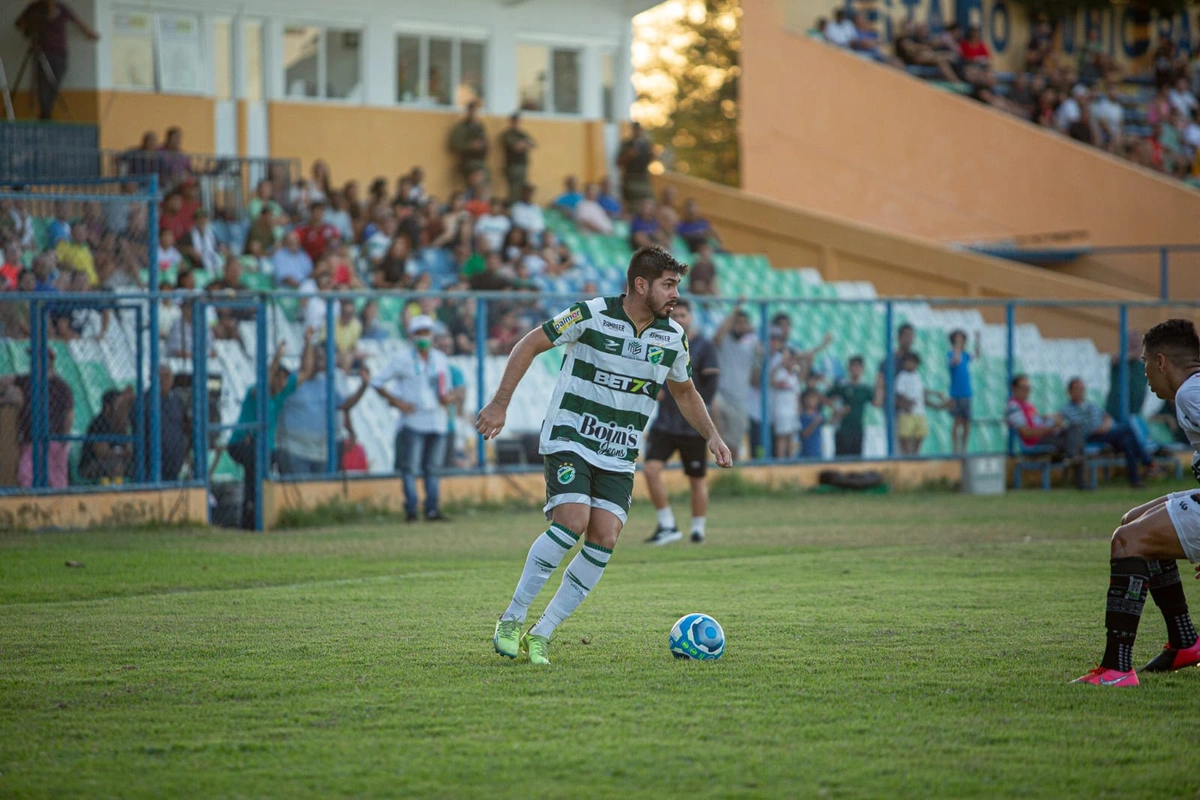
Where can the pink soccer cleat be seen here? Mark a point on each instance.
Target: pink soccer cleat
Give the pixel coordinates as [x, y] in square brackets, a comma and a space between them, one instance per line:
[1102, 676]
[1171, 659]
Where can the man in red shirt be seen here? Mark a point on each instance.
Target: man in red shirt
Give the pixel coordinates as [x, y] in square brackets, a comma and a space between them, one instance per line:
[174, 217]
[318, 235]
[10, 270]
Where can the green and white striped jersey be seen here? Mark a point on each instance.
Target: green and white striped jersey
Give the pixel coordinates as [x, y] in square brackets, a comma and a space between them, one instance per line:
[609, 381]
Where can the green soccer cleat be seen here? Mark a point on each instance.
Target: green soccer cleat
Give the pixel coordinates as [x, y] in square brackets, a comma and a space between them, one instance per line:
[538, 648]
[507, 639]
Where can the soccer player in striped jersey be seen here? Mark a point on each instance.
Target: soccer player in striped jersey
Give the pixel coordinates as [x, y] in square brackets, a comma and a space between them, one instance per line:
[620, 352]
[1153, 535]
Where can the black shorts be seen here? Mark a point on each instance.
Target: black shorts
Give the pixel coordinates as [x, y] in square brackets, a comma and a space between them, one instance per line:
[960, 408]
[693, 451]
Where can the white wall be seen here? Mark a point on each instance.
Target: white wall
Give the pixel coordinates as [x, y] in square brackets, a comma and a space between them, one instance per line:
[588, 24]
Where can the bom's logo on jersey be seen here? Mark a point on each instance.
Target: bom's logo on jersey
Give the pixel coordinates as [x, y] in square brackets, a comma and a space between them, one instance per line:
[655, 355]
[566, 319]
[611, 437]
[624, 383]
[566, 473]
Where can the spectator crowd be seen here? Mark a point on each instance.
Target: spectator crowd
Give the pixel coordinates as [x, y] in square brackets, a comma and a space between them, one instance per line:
[1080, 96]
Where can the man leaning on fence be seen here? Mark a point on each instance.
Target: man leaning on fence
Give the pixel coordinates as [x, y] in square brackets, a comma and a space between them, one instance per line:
[243, 444]
[417, 383]
[302, 442]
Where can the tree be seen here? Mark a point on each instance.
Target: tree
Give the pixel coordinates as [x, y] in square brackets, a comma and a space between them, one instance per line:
[686, 75]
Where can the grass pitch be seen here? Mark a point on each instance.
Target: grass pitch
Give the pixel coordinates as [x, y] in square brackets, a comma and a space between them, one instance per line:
[910, 645]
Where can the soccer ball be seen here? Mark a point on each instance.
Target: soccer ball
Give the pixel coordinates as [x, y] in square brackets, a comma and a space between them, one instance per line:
[697, 637]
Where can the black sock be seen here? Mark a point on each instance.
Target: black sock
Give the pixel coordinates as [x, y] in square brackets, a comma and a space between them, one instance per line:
[1167, 590]
[1127, 588]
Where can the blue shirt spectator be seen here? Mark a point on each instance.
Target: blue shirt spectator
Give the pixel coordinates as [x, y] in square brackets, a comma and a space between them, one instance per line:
[608, 201]
[960, 374]
[292, 265]
[810, 434]
[570, 196]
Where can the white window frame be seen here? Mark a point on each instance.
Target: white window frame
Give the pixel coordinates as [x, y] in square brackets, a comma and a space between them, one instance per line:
[322, 59]
[456, 36]
[205, 66]
[581, 47]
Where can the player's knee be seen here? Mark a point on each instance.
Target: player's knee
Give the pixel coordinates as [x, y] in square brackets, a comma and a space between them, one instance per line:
[574, 519]
[652, 469]
[1126, 543]
[603, 537]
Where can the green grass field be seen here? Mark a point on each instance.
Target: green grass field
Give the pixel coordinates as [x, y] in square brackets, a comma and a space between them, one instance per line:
[914, 645]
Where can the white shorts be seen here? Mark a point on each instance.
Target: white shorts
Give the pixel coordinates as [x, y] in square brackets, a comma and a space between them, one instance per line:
[1184, 510]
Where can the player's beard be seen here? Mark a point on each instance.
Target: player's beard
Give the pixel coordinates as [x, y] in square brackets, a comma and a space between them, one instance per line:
[662, 311]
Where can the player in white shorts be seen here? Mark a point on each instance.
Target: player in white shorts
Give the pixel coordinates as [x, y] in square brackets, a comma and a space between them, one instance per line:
[1152, 536]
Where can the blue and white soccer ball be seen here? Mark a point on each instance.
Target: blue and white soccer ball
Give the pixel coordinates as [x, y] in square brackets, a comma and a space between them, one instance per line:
[698, 637]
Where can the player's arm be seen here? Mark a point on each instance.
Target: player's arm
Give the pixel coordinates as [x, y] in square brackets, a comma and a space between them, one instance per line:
[491, 418]
[691, 405]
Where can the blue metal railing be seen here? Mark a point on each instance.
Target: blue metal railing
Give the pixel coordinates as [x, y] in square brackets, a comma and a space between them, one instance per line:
[146, 434]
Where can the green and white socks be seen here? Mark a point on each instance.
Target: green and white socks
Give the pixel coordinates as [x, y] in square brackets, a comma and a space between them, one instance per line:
[579, 578]
[544, 557]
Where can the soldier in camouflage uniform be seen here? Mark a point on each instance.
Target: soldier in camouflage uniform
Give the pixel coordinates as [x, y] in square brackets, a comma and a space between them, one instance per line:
[469, 140]
[634, 159]
[517, 143]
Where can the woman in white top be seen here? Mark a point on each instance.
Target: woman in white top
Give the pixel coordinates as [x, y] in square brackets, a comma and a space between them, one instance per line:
[785, 403]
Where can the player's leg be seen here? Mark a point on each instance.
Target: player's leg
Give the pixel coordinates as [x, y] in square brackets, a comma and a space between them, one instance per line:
[434, 457]
[568, 481]
[1150, 537]
[659, 449]
[693, 450]
[1166, 587]
[407, 459]
[611, 495]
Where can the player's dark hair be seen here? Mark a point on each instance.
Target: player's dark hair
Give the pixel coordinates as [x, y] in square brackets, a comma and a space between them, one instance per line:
[1073, 381]
[650, 263]
[904, 327]
[1174, 338]
[856, 360]
[956, 333]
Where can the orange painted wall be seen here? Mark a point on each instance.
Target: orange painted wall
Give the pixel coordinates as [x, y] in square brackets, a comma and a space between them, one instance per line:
[828, 131]
[362, 143]
[124, 116]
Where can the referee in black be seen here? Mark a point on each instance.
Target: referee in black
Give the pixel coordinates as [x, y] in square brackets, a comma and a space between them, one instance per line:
[671, 432]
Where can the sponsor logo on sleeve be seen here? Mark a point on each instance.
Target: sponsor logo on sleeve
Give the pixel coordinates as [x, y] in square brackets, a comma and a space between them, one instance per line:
[566, 319]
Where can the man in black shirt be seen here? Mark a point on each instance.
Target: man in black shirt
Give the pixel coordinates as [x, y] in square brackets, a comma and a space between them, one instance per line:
[671, 432]
[104, 460]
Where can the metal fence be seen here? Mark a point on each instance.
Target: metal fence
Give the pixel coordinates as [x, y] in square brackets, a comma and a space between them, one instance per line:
[820, 385]
[225, 184]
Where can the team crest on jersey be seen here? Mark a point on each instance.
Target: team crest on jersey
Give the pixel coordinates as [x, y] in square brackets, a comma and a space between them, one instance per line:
[566, 319]
[654, 355]
[566, 474]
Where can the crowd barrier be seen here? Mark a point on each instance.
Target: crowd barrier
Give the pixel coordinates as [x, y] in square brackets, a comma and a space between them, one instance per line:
[174, 380]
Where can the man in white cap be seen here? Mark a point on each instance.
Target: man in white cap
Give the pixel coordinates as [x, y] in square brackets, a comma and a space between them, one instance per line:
[417, 383]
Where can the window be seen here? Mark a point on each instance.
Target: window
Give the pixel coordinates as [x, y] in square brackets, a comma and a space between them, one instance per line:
[608, 82]
[180, 53]
[252, 46]
[439, 70]
[133, 50]
[322, 63]
[222, 59]
[548, 79]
